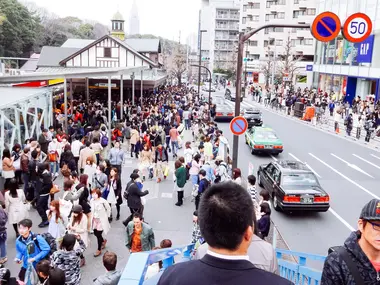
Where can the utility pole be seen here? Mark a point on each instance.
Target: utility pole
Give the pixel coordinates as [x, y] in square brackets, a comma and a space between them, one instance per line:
[200, 61]
[274, 64]
[242, 39]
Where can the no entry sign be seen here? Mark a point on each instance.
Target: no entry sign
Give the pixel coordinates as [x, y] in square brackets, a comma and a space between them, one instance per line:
[326, 27]
[238, 125]
[357, 28]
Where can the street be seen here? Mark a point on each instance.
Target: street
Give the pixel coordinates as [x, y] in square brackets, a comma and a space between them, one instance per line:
[346, 170]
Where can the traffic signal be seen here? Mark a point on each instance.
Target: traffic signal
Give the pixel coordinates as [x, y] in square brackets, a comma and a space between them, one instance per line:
[205, 58]
[247, 59]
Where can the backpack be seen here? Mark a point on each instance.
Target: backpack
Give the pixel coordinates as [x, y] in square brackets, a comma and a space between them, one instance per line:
[104, 141]
[51, 241]
[352, 267]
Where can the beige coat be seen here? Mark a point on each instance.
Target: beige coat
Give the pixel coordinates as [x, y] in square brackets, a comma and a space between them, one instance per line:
[84, 154]
[134, 136]
[15, 207]
[146, 158]
[79, 229]
[101, 210]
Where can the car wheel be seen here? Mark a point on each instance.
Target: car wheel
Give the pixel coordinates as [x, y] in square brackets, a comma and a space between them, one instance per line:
[259, 179]
[275, 204]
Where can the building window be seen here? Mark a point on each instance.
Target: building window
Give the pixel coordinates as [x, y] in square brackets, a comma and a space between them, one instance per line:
[308, 42]
[107, 52]
[266, 31]
[281, 2]
[255, 56]
[253, 43]
[279, 42]
[265, 43]
[296, 1]
[256, 6]
[280, 15]
[292, 43]
[244, 20]
[310, 11]
[296, 14]
[244, 8]
[266, 17]
[255, 18]
[268, 4]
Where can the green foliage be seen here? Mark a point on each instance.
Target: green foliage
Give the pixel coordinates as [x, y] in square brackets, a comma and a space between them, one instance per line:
[18, 29]
[230, 74]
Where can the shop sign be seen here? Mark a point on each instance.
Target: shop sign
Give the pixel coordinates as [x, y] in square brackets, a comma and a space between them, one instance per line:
[365, 50]
[309, 67]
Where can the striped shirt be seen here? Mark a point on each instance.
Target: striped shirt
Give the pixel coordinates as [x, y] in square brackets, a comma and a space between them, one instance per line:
[252, 191]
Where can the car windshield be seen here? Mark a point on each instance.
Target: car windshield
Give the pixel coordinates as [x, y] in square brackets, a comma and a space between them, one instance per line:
[268, 135]
[297, 179]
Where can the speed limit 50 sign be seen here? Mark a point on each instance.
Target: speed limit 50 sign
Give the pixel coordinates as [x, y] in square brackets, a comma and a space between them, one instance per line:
[357, 28]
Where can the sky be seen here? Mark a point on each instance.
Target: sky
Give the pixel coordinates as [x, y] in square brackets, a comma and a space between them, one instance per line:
[165, 18]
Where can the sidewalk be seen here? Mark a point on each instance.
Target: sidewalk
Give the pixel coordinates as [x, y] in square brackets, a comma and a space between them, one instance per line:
[329, 127]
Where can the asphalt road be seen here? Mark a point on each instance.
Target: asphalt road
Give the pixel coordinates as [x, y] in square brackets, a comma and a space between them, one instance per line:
[349, 172]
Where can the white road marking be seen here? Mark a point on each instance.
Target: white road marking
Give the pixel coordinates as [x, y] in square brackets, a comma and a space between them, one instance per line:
[307, 165]
[374, 165]
[275, 159]
[345, 177]
[167, 195]
[375, 156]
[341, 219]
[353, 166]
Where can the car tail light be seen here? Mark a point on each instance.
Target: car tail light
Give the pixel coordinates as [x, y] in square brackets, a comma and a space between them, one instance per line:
[219, 114]
[292, 199]
[259, 146]
[278, 146]
[230, 114]
[322, 199]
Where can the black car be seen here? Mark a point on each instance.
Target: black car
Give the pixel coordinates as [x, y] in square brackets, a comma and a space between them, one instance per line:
[293, 187]
[253, 117]
[231, 95]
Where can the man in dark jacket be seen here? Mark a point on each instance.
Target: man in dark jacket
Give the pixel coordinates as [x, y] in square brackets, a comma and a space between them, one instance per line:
[361, 248]
[43, 198]
[134, 197]
[180, 176]
[42, 140]
[226, 217]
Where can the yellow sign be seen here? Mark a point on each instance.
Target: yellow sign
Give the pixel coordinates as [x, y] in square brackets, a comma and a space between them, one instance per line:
[55, 81]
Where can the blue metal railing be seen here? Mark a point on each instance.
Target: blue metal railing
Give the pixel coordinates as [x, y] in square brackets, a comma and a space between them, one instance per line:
[297, 271]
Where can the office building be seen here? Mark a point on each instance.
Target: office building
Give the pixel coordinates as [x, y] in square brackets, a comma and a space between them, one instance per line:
[271, 44]
[346, 68]
[221, 20]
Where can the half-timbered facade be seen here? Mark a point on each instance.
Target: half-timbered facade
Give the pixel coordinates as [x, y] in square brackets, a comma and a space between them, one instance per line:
[107, 51]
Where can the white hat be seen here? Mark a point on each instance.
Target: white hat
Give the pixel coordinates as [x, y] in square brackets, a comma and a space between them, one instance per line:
[218, 158]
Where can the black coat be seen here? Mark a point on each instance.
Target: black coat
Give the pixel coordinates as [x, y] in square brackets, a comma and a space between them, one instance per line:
[47, 183]
[212, 270]
[117, 189]
[134, 196]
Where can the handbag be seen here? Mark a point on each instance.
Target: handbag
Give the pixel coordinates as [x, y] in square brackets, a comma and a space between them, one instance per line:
[65, 206]
[166, 171]
[53, 156]
[105, 193]
[194, 192]
[31, 277]
[54, 189]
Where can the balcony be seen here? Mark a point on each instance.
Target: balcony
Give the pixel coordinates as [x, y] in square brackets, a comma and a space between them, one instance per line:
[305, 19]
[303, 34]
[305, 49]
[303, 4]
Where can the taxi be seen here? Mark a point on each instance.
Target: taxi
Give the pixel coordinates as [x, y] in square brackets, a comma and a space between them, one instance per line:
[263, 140]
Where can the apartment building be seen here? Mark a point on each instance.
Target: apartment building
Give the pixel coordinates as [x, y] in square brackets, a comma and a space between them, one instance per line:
[221, 19]
[270, 44]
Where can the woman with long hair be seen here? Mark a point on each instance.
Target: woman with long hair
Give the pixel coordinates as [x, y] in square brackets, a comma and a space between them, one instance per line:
[8, 170]
[67, 258]
[16, 154]
[57, 221]
[146, 160]
[15, 204]
[114, 192]
[78, 226]
[101, 211]
[82, 187]
[107, 167]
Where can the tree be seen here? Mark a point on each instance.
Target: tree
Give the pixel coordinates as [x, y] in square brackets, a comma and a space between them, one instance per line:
[289, 63]
[177, 64]
[18, 30]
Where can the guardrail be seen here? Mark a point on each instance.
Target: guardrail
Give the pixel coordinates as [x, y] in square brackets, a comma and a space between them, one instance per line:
[297, 272]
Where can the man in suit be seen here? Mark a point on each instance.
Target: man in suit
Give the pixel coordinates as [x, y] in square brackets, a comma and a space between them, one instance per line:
[225, 216]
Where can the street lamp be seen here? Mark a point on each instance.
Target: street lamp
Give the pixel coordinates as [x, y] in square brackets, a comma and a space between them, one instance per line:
[133, 88]
[200, 60]
[209, 88]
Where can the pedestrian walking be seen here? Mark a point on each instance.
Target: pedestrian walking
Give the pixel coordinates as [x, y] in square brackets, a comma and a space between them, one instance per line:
[44, 193]
[112, 276]
[114, 192]
[78, 225]
[140, 236]
[57, 221]
[15, 205]
[180, 181]
[101, 211]
[134, 195]
[116, 157]
[161, 162]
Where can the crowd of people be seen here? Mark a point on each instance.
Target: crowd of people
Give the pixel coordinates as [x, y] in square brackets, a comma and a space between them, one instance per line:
[356, 114]
[73, 179]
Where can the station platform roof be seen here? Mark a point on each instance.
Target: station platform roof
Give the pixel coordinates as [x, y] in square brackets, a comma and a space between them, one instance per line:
[10, 96]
